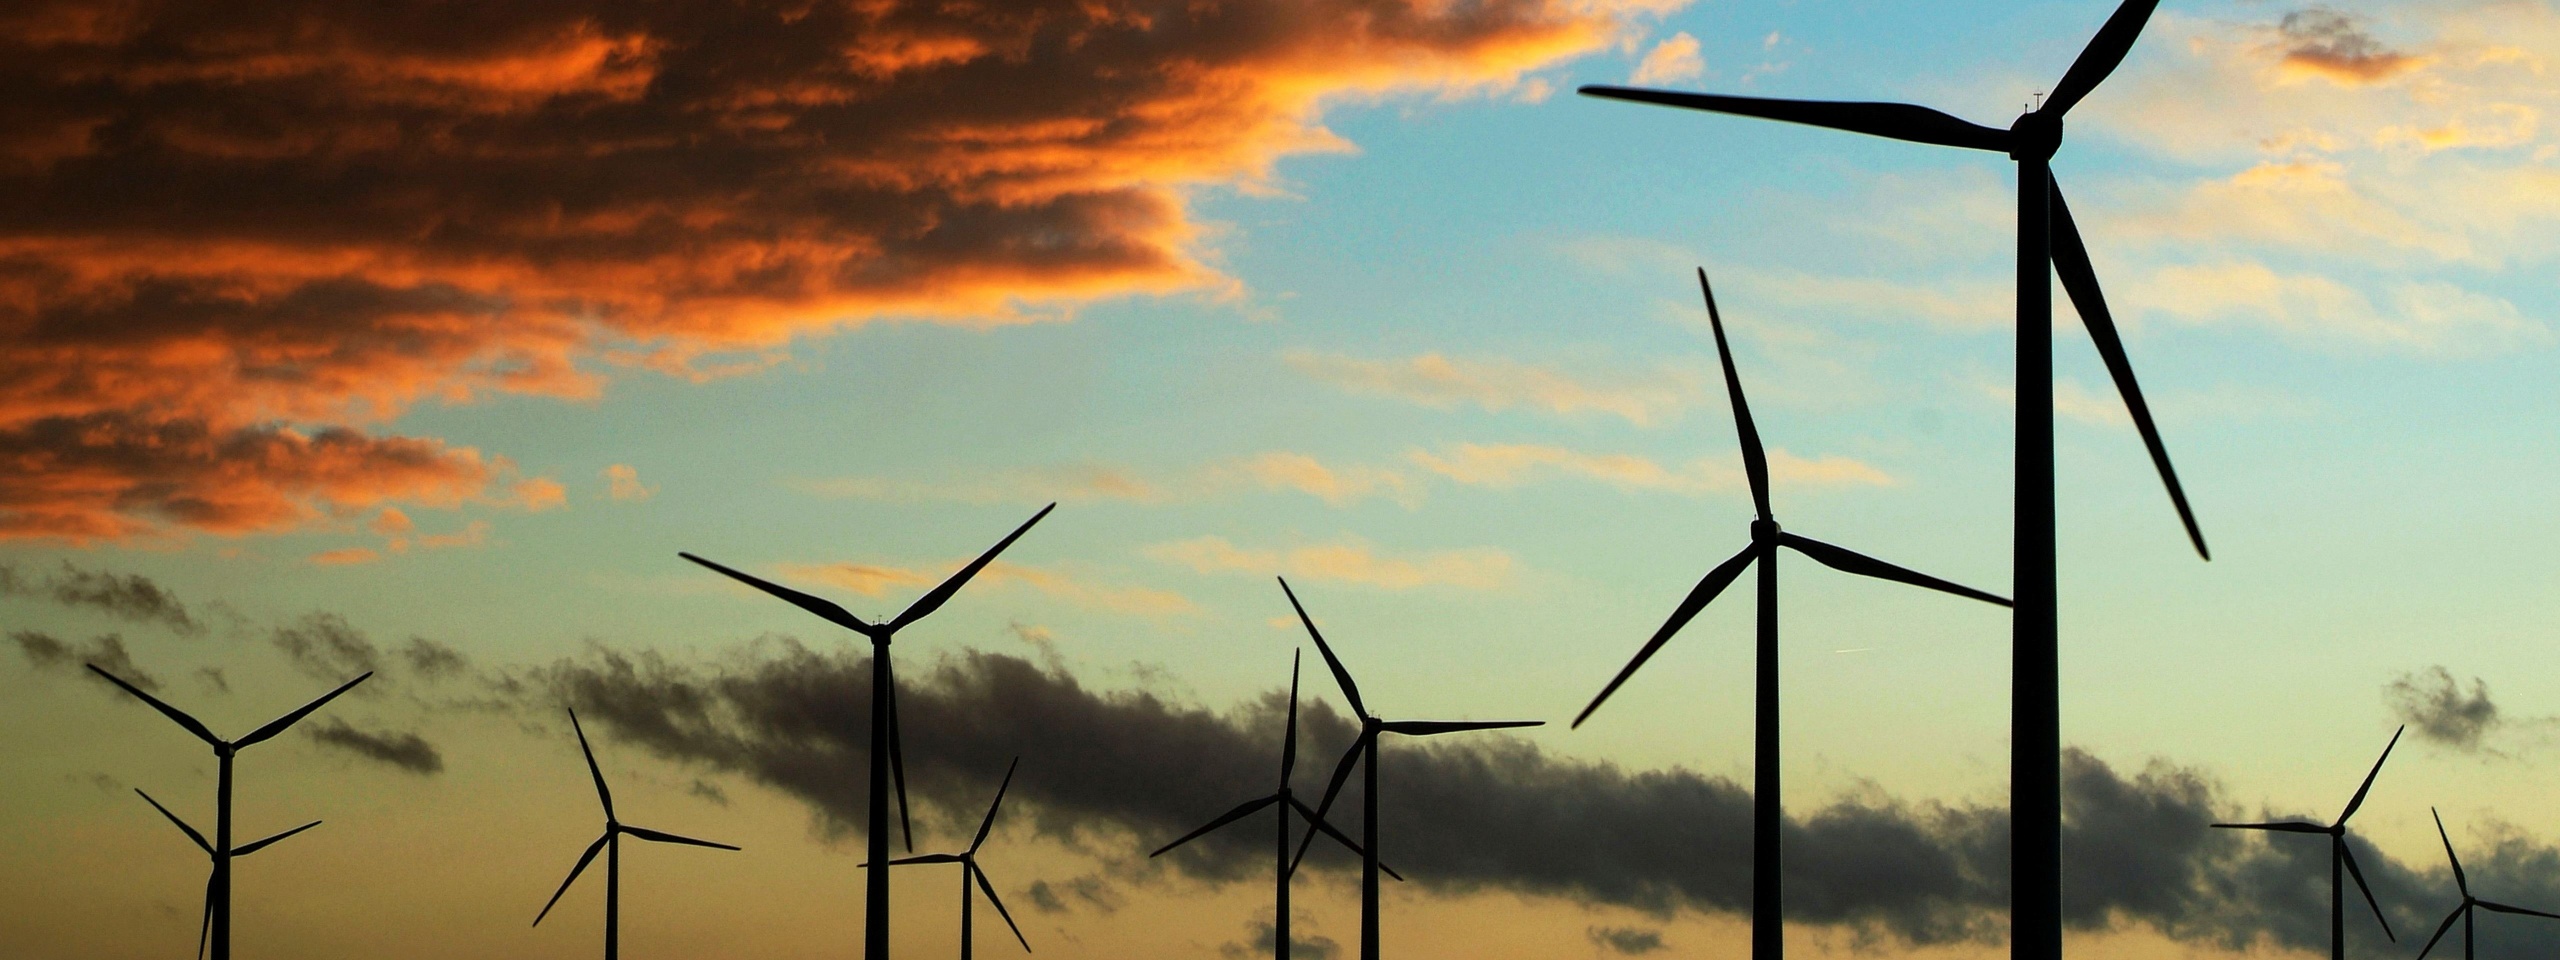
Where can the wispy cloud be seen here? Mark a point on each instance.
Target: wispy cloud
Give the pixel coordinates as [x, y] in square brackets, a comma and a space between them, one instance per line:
[622, 483]
[1511, 465]
[1640, 397]
[1343, 561]
[875, 580]
[1669, 61]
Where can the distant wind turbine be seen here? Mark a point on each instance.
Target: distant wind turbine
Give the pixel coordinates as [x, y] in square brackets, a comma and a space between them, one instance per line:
[2463, 912]
[1282, 867]
[1767, 917]
[887, 759]
[1364, 751]
[215, 930]
[2048, 242]
[969, 870]
[611, 844]
[2341, 856]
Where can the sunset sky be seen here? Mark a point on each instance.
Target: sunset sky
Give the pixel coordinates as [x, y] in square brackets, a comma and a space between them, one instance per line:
[419, 337]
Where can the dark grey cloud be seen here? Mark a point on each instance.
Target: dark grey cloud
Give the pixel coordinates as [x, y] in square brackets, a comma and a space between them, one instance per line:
[126, 596]
[407, 751]
[1262, 934]
[213, 680]
[1628, 941]
[1116, 772]
[709, 791]
[328, 648]
[433, 661]
[2433, 701]
[44, 651]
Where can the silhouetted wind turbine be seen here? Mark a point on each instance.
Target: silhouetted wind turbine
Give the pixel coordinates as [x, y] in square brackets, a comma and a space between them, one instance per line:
[887, 760]
[2340, 855]
[216, 927]
[969, 870]
[2463, 912]
[611, 844]
[1282, 867]
[1364, 750]
[2048, 242]
[1767, 814]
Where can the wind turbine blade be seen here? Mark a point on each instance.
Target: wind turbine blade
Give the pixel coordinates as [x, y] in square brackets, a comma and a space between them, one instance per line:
[919, 858]
[2349, 854]
[1241, 811]
[279, 724]
[933, 601]
[2358, 800]
[2281, 826]
[2100, 58]
[2440, 929]
[1350, 690]
[262, 844]
[990, 822]
[603, 792]
[2080, 279]
[1289, 746]
[1426, 728]
[1850, 561]
[1699, 596]
[1341, 775]
[990, 890]
[584, 859]
[662, 836]
[897, 751]
[825, 609]
[2458, 879]
[1755, 461]
[1319, 823]
[173, 818]
[1899, 121]
[171, 712]
[2503, 908]
[204, 927]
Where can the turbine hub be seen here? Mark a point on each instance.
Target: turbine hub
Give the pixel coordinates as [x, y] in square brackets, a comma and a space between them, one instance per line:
[225, 749]
[1764, 530]
[2035, 136]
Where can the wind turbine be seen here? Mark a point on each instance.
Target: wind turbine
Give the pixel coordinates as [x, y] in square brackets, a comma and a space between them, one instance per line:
[1767, 814]
[2468, 901]
[611, 844]
[1282, 867]
[969, 870]
[887, 760]
[2048, 242]
[1364, 751]
[215, 930]
[2340, 855]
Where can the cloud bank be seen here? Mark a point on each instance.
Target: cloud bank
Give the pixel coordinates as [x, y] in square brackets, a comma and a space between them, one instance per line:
[235, 241]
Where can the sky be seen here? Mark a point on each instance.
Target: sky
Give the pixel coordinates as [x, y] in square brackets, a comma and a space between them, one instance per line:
[419, 338]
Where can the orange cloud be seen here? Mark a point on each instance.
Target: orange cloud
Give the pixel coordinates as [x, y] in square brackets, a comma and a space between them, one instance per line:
[2328, 45]
[624, 483]
[228, 221]
[1347, 561]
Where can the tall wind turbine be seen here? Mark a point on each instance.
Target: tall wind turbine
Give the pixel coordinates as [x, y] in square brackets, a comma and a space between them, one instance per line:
[887, 760]
[2048, 242]
[611, 844]
[2341, 856]
[1767, 919]
[969, 870]
[1364, 751]
[2463, 912]
[215, 930]
[1282, 867]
